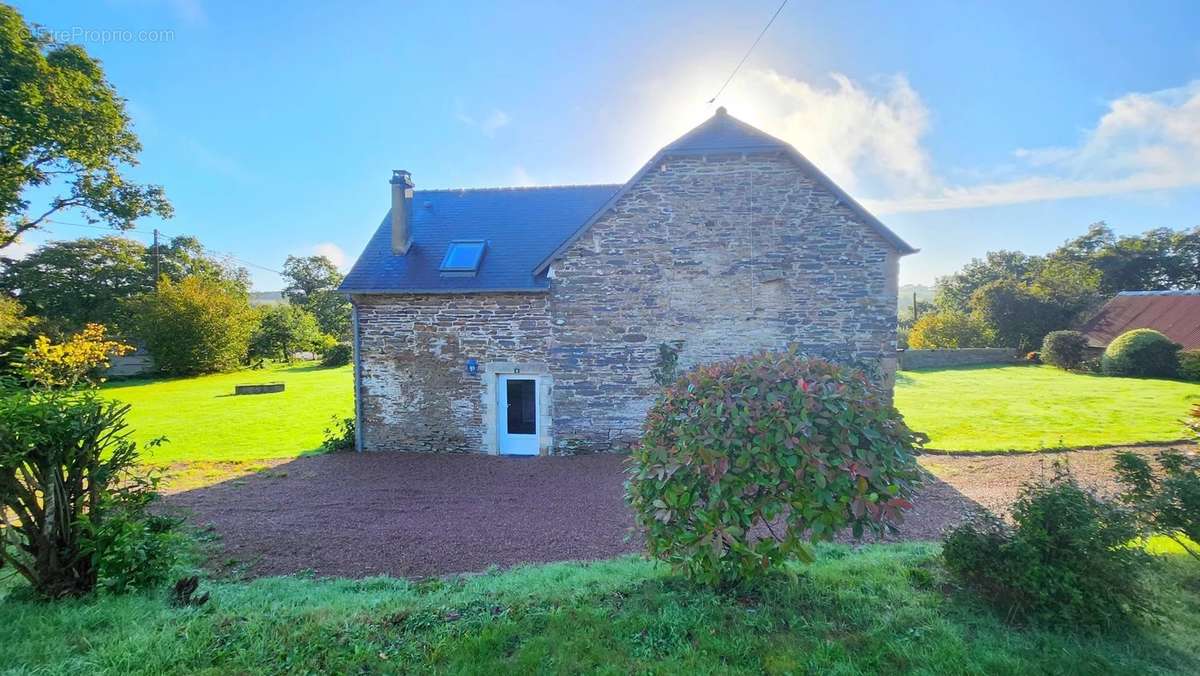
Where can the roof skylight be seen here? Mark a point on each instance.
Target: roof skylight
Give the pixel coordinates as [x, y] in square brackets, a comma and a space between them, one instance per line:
[463, 256]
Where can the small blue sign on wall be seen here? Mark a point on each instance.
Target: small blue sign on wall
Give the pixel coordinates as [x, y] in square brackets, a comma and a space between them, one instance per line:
[472, 366]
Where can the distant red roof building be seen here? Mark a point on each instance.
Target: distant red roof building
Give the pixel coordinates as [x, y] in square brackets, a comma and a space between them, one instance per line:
[1174, 313]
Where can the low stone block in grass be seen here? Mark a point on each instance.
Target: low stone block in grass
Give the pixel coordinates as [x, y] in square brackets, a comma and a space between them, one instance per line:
[259, 388]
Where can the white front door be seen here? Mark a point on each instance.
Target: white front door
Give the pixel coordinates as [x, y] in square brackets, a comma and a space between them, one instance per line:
[516, 415]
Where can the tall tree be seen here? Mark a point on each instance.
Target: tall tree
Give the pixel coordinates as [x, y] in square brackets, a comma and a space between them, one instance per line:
[954, 291]
[283, 330]
[312, 285]
[1054, 295]
[70, 284]
[63, 126]
[1156, 259]
[184, 256]
[308, 275]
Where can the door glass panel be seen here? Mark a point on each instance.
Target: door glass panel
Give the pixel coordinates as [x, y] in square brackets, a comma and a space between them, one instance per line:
[522, 407]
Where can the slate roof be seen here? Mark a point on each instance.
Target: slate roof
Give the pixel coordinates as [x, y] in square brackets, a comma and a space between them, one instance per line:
[1173, 313]
[723, 133]
[520, 225]
[528, 228]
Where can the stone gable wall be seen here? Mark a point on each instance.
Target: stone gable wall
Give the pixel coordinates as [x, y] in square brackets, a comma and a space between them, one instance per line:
[728, 254]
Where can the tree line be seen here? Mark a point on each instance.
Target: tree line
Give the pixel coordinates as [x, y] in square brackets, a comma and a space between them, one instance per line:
[1013, 299]
[195, 317]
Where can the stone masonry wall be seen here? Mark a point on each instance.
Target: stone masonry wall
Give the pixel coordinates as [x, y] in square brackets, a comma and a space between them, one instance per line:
[730, 255]
[947, 358]
[727, 254]
[416, 394]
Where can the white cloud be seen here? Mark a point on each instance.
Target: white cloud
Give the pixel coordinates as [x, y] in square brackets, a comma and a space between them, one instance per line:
[866, 140]
[1144, 142]
[489, 124]
[333, 252]
[869, 138]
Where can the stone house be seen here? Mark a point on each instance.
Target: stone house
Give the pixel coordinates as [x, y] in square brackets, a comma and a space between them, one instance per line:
[529, 320]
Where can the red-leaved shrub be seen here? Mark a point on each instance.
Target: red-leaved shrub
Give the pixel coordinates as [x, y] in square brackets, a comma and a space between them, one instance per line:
[745, 462]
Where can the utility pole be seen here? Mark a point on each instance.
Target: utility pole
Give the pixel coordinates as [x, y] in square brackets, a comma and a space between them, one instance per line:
[156, 265]
[914, 303]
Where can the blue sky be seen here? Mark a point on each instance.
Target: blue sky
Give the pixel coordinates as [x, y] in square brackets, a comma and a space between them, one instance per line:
[965, 126]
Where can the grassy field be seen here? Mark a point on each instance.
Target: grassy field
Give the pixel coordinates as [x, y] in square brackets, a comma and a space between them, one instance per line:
[203, 420]
[882, 609]
[875, 609]
[1028, 408]
[1023, 408]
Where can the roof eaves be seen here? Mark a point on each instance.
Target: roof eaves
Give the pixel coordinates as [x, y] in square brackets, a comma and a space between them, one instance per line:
[435, 292]
[1165, 292]
[902, 247]
[562, 248]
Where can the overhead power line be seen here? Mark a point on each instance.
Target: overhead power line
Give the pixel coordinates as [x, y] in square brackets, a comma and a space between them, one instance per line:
[148, 233]
[748, 52]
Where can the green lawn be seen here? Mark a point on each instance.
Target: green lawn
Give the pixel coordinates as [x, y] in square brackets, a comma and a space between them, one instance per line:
[987, 408]
[203, 420]
[881, 609]
[1028, 408]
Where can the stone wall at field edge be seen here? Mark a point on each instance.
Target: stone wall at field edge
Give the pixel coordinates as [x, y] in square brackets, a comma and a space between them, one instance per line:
[968, 356]
[136, 363]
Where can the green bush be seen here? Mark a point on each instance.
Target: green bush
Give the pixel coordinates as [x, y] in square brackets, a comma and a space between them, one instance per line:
[338, 355]
[1189, 364]
[1064, 349]
[197, 325]
[133, 549]
[340, 435]
[1141, 352]
[1067, 562]
[742, 462]
[69, 474]
[1167, 502]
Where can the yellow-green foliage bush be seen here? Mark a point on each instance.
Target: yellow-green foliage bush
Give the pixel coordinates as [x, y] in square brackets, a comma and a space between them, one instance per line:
[72, 361]
[948, 329]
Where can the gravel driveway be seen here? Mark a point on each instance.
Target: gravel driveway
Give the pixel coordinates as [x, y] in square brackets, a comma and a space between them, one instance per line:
[414, 515]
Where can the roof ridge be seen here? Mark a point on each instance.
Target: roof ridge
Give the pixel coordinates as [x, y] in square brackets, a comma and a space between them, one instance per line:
[1162, 292]
[515, 188]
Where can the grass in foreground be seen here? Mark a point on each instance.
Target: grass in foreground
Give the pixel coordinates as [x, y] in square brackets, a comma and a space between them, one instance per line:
[883, 609]
[1029, 408]
[204, 421]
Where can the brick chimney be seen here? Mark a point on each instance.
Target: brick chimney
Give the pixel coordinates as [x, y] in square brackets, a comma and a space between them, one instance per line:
[402, 198]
